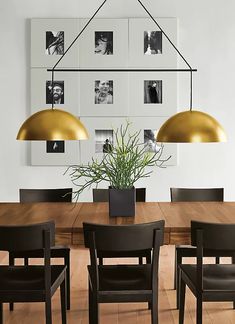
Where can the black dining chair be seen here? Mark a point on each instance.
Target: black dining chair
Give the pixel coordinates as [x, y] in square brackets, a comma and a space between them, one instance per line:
[208, 282]
[123, 283]
[31, 283]
[181, 251]
[102, 195]
[58, 251]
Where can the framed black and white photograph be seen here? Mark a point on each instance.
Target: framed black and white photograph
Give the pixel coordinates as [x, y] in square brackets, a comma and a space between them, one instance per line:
[55, 146]
[153, 91]
[152, 94]
[66, 92]
[104, 94]
[148, 47]
[55, 93]
[103, 140]
[54, 42]
[62, 153]
[150, 142]
[104, 43]
[50, 37]
[101, 137]
[149, 128]
[152, 42]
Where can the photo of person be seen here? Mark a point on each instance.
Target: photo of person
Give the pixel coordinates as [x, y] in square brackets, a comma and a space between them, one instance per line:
[54, 43]
[152, 42]
[55, 147]
[150, 141]
[103, 140]
[103, 92]
[153, 91]
[56, 94]
[104, 42]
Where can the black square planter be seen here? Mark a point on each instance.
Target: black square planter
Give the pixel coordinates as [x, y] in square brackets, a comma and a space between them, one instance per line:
[122, 202]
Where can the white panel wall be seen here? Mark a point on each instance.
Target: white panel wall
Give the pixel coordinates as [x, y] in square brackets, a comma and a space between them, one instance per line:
[206, 37]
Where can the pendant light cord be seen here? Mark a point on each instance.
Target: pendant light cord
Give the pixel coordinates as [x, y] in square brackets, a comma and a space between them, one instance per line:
[154, 20]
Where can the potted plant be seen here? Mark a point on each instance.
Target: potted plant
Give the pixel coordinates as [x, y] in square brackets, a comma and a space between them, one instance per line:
[121, 166]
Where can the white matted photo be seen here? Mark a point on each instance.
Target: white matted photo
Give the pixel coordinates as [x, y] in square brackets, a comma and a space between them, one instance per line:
[148, 47]
[101, 137]
[49, 40]
[62, 153]
[149, 128]
[65, 91]
[104, 43]
[104, 94]
[152, 94]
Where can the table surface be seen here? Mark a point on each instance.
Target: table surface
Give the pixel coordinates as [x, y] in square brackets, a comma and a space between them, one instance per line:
[69, 217]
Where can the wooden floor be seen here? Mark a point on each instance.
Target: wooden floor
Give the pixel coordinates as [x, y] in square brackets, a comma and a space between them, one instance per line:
[213, 313]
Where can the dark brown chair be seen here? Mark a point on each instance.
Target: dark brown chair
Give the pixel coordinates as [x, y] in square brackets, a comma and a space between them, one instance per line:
[102, 195]
[193, 194]
[208, 282]
[58, 251]
[31, 283]
[123, 283]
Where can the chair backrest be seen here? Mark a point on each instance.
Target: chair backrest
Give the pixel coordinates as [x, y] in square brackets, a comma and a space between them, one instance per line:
[26, 237]
[123, 237]
[45, 195]
[197, 194]
[210, 236]
[112, 238]
[102, 195]
[215, 236]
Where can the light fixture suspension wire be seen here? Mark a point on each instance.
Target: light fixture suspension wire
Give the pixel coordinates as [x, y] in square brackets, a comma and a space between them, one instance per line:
[127, 70]
[52, 88]
[190, 68]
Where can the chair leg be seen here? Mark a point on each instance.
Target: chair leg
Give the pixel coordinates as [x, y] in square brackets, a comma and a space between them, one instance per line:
[178, 261]
[93, 308]
[217, 260]
[1, 313]
[199, 310]
[154, 312]
[11, 263]
[140, 260]
[100, 261]
[26, 261]
[175, 269]
[48, 311]
[182, 300]
[63, 301]
[67, 263]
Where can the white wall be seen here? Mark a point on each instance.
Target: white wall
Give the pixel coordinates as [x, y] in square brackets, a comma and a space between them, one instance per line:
[206, 37]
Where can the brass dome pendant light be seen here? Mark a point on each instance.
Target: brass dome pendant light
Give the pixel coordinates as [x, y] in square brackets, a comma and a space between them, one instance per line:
[191, 126]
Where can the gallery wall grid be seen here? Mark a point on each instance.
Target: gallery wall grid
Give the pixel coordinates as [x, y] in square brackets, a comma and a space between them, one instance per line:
[103, 100]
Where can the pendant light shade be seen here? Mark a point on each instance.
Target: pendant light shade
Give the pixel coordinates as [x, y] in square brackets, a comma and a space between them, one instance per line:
[191, 126]
[52, 124]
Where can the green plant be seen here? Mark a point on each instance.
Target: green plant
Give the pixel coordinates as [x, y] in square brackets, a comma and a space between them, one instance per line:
[121, 167]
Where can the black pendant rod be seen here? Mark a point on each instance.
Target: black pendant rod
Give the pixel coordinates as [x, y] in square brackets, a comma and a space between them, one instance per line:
[122, 70]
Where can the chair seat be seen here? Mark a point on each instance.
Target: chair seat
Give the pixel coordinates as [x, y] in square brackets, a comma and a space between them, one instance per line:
[124, 277]
[218, 277]
[23, 278]
[56, 251]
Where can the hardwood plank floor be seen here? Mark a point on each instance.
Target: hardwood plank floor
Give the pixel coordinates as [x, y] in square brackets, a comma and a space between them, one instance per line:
[33, 313]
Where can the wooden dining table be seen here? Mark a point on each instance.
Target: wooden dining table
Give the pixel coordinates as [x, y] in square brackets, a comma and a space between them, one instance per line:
[69, 217]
